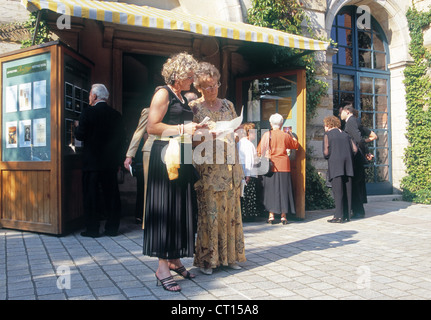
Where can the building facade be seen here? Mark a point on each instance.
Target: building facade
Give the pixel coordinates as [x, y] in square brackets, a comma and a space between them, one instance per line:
[366, 68]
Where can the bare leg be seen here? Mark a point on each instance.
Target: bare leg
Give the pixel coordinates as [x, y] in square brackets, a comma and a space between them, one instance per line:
[164, 276]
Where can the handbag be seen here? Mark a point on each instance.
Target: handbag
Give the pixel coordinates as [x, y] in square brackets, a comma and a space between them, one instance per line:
[265, 164]
[173, 158]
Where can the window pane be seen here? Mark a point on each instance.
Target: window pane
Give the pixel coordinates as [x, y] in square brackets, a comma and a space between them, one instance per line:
[347, 82]
[344, 37]
[378, 43]
[367, 119]
[382, 156]
[381, 121]
[381, 104]
[335, 81]
[345, 56]
[347, 97]
[369, 174]
[377, 174]
[380, 86]
[336, 102]
[382, 139]
[379, 61]
[383, 172]
[344, 20]
[364, 59]
[334, 34]
[366, 85]
[367, 103]
[364, 40]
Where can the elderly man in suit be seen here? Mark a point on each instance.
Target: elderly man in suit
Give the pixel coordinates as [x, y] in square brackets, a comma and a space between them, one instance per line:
[101, 129]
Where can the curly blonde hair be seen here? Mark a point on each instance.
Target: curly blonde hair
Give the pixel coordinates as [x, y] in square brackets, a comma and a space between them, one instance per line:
[332, 122]
[204, 72]
[178, 67]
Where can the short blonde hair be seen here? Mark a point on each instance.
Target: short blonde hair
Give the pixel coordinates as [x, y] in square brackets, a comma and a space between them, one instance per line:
[204, 72]
[247, 127]
[178, 67]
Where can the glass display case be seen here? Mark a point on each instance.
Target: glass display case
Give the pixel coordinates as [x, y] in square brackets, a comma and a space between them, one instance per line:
[43, 90]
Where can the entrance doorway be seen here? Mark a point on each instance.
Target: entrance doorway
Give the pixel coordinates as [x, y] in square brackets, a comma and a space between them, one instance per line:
[141, 75]
[361, 76]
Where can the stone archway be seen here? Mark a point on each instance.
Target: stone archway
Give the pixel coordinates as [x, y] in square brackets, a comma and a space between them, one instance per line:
[391, 15]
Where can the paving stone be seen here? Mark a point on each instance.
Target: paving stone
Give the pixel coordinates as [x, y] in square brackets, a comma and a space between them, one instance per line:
[382, 257]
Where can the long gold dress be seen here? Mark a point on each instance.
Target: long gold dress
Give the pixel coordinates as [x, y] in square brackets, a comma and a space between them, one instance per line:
[220, 237]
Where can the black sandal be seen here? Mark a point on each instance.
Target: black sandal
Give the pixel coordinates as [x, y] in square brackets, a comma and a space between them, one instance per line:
[168, 283]
[180, 271]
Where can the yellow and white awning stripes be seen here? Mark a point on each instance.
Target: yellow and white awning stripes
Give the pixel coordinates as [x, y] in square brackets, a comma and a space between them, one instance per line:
[144, 16]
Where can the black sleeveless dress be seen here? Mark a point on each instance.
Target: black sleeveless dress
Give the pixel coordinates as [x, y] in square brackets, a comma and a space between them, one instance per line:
[171, 209]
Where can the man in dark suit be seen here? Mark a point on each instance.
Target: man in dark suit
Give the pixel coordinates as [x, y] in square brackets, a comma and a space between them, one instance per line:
[101, 129]
[359, 192]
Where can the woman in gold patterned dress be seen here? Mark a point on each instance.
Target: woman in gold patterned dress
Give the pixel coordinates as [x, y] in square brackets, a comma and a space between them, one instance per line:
[220, 237]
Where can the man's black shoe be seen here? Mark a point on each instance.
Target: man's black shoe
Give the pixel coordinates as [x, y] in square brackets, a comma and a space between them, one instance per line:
[90, 234]
[111, 233]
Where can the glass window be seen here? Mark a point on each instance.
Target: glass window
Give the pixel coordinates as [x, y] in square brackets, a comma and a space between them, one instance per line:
[360, 76]
[347, 82]
[344, 20]
[366, 85]
[364, 40]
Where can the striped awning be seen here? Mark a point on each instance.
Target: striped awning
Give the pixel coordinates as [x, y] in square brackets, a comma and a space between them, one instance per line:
[144, 16]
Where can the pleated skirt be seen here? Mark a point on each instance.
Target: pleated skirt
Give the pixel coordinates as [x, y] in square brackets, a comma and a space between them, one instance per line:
[171, 209]
[278, 193]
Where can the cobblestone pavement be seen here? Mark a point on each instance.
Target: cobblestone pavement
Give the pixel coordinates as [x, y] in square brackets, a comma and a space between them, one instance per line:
[387, 255]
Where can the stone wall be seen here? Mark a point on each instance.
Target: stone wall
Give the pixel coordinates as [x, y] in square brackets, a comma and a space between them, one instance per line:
[391, 15]
[11, 12]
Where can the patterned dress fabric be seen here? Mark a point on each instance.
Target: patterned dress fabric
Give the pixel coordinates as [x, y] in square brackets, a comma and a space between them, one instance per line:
[220, 237]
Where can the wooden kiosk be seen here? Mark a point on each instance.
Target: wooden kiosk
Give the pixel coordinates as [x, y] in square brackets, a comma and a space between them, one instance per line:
[43, 90]
[284, 93]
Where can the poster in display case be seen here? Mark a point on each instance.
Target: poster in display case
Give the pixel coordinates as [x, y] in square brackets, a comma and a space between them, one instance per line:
[26, 109]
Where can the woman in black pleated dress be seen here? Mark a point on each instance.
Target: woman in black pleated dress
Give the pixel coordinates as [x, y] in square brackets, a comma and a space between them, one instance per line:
[170, 209]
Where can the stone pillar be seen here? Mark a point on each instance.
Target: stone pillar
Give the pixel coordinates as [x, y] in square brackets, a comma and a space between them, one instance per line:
[315, 128]
[398, 122]
[316, 11]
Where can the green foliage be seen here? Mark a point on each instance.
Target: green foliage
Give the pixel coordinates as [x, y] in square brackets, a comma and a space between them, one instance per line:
[416, 185]
[288, 16]
[43, 33]
[317, 194]
[284, 15]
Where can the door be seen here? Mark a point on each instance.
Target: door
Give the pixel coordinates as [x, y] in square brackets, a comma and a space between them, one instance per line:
[373, 99]
[263, 95]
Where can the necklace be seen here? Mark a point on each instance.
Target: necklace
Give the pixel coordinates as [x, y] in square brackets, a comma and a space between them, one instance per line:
[179, 96]
[212, 106]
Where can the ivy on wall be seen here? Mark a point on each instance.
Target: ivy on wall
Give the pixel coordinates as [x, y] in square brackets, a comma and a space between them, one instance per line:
[416, 185]
[288, 16]
[43, 34]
